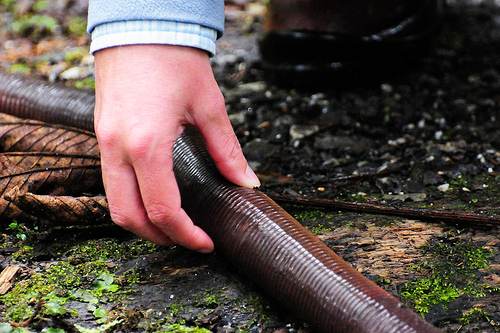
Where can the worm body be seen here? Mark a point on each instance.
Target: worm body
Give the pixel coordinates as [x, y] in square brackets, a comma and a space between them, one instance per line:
[254, 233]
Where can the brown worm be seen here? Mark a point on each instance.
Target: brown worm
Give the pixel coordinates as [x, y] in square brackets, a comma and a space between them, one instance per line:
[254, 233]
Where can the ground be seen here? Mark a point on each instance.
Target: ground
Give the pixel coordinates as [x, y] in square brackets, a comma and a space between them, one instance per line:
[428, 138]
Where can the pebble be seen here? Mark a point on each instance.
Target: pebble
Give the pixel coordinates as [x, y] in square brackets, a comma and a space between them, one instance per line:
[258, 150]
[298, 132]
[415, 197]
[443, 187]
[251, 87]
[285, 120]
[237, 118]
[75, 73]
[355, 145]
[387, 88]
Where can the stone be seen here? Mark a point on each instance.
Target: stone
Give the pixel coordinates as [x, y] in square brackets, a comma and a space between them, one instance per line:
[258, 150]
[443, 187]
[331, 142]
[238, 118]
[415, 197]
[75, 73]
[298, 132]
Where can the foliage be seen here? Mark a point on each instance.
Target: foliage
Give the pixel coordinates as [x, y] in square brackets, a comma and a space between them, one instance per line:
[77, 26]
[35, 26]
[178, 328]
[20, 68]
[87, 83]
[19, 230]
[452, 271]
[316, 220]
[54, 287]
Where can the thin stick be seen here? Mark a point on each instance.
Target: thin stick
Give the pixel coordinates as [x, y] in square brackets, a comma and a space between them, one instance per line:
[415, 213]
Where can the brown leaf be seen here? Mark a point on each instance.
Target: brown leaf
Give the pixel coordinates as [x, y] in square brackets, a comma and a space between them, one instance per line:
[10, 211]
[46, 173]
[65, 209]
[30, 135]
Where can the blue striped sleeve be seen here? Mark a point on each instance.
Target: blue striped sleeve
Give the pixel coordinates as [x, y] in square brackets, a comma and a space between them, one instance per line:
[133, 32]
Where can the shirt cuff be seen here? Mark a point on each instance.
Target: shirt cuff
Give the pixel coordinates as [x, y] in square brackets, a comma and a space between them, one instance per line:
[153, 32]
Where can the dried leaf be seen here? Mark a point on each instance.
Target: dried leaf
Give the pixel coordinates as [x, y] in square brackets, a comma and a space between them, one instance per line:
[65, 209]
[46, 173]
[34, 136]
[57, 160]
[10, 211]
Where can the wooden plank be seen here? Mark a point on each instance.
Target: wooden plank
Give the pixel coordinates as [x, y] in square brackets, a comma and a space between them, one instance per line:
[6, 278]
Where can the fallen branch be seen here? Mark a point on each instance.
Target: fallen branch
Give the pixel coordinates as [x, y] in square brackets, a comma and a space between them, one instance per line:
[369, 208]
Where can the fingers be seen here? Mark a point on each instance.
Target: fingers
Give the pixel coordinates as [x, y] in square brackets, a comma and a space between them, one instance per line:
[151, 157]
[211, 118]
[125, 204]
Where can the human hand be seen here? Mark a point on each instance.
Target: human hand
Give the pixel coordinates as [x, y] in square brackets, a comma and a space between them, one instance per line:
[144, 96]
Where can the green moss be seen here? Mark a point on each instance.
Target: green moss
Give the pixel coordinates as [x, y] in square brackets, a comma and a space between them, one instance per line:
[7, 5]
[320, 229]
[87, 83]
[84, 276]
[35, 26]
[53, 287]
[312, 215]
[175, 309]
[472, 315]
[40, 5]
[75, 55]
[316, 220]
[106, 249]
[20, 68]
[209, 300]
[459, 182]
[178, 328]
[452, 271]
[77, 26]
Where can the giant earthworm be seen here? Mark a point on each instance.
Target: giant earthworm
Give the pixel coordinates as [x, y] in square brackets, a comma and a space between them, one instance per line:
[255, 234]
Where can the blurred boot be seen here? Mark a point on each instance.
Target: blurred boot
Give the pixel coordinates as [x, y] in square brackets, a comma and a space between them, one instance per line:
[310, 42]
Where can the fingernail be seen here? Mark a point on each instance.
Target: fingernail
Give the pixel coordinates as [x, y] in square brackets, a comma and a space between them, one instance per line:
[206, 251]
[252, 179]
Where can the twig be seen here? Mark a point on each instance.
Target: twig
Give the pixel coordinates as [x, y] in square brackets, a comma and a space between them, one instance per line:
[369, 208]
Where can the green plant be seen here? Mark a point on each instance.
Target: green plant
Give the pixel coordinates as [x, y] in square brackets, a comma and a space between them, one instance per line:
[35, 26]
[451, 272]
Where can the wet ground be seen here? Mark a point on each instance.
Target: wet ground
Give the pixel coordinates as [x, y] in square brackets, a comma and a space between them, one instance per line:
[428, 138]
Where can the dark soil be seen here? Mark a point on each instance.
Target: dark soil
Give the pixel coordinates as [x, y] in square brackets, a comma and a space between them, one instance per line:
[428, 138]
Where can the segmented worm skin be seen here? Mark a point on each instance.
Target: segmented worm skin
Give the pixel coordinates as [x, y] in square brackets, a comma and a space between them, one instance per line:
[254, 233]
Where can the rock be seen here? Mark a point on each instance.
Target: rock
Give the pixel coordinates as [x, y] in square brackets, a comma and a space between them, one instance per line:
[443, 187]
[298, 132]
[226, 59]
[237, 118]
[385, 87]
[75, 73]
[285, 120]
[226, 329]
[431, 178]
[416, 197]
[258, 150]
[331, 142]
[251, 87]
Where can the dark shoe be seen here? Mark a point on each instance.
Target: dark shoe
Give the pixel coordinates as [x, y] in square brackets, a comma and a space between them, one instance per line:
[307, 42]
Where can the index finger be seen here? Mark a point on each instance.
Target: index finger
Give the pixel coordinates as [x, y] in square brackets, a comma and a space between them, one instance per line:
[153, 166]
